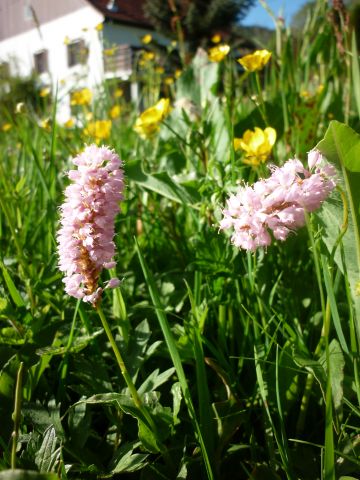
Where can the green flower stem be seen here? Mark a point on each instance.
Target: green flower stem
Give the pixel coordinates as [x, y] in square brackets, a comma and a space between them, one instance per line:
[261, 98]
[16, 414]
[120, 361]
[325, 309]
[133, 392]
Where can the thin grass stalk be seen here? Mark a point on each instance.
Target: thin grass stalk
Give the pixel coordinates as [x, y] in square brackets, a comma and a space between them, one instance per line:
[175, 356]
[17, 414]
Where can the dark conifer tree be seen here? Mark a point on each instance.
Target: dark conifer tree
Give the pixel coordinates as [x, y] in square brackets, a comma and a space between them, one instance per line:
[199, 19]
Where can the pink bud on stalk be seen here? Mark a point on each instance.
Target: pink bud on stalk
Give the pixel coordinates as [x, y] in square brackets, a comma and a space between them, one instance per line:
[278, 203]
[85, 239]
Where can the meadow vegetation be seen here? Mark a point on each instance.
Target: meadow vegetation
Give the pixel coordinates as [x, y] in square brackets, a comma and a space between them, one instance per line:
[240, 363]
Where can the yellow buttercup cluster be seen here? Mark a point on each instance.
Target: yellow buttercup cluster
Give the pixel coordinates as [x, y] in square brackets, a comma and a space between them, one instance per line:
[100, 130]
[5, 127]
[119, 92]
[218, 53]
[255, 61]
[44, 92]
[69, 123]
[216, 38]
[81, 97]
[256, 144]
[115, 111]
[148, 122]
[146, 39]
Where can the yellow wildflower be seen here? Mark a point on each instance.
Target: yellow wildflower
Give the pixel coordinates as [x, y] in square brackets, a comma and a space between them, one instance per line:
[109, 52]
[218, 53]
[45, 124]
[89, 116]
[146, 39]
[216, 38]
[255, 61]
[81, 97]
[148, 56]
[148, 122]
[44, 92]
[119, 92]
[99, 27]
[305, 94]
[173, 43]
[168, 80]
[256, 144]
[115, 111]
[160, 70]
[178, 73]
[69, 123]
[6, 127]
[320, 89]
[100, 130]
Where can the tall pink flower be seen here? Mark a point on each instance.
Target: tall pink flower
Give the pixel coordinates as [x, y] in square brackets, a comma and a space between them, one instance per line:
[277, 204]
[85, 239]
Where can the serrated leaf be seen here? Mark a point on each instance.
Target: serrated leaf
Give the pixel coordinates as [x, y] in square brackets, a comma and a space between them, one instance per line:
[47, 456]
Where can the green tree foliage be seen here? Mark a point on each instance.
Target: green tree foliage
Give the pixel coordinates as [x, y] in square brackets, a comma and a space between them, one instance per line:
[199, 18]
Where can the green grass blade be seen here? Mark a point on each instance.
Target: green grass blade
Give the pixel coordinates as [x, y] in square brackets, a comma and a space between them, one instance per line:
[355, 71]
[175, 357]
[14, 293]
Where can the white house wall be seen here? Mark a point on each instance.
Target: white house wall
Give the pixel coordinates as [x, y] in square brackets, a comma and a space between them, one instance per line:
[19, 51]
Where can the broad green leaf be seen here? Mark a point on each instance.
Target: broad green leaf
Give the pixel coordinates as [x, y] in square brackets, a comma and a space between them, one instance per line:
[44, 416]
[148, 439]
[341, 146]
[312, 366]
[337, 365]
[78, 344]
[162, 184]
[124, 460]
[154, 380]
[125, 403]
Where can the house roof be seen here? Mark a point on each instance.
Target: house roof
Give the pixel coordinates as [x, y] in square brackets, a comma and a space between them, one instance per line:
[123, 11]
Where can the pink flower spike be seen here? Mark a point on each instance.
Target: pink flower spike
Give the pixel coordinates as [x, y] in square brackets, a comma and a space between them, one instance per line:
[113, 283]
[277, 205]
[314, 158]
[85, 238]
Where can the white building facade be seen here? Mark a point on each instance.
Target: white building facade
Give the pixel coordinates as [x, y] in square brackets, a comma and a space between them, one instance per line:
[64, 42]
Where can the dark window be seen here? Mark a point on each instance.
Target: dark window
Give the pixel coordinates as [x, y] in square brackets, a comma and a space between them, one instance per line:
[118, 58]
[77, 53]
[41, 61]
